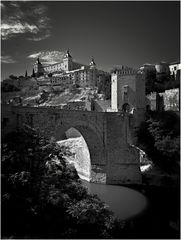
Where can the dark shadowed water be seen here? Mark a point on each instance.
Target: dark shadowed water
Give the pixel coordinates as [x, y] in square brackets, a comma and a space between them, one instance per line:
[124, 202]
[154, 215]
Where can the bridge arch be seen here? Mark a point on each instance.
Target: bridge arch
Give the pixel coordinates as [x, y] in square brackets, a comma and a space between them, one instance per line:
[95, 169]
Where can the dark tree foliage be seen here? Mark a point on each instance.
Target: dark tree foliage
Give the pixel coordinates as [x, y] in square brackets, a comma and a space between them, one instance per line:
[7, 87]
[159, 137]
[13, 77]
[150, 79]
[42, 195]
[159, 82]
[104, 86]
[33, 73]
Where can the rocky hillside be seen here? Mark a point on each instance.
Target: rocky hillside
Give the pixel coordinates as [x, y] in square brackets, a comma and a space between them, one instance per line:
[73, 98]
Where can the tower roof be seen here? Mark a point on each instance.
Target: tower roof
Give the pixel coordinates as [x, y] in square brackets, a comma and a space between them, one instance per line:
[92, 63]
[38, 60]
[67, 55]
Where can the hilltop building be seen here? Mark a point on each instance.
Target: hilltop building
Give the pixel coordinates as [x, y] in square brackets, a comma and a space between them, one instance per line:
[172, 69]
[68, 72]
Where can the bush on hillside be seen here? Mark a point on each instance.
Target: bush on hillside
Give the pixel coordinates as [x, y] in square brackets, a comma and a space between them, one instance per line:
[7, 87]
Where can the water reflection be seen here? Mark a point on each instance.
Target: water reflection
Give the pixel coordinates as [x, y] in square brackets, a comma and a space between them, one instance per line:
[124, 202]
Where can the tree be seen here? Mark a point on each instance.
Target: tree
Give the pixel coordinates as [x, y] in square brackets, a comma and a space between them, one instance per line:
[104, 86]
[150, 78]
[8, 87]
[13, 77]
[42, 195]
[33, 73]
[159, 137]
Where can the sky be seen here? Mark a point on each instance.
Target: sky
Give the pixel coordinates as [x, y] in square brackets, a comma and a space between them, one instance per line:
[114, 33]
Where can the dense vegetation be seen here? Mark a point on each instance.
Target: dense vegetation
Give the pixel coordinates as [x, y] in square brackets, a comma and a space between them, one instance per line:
[104, 86]
[159, 82]
[7, 87]
[159, 137]
[42, 195]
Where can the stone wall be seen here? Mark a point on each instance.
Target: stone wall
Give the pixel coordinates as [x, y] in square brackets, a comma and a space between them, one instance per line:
[123, 163]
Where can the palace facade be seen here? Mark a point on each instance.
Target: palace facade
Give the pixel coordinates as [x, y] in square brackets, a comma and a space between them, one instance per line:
[68, 72]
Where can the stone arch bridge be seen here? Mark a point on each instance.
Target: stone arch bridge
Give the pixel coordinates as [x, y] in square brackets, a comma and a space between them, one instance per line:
[105, 133]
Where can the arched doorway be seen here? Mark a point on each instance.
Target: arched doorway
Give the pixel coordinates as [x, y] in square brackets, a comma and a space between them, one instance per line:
[125, 107]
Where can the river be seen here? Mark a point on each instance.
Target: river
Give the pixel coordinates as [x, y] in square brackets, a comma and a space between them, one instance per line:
[124, 202]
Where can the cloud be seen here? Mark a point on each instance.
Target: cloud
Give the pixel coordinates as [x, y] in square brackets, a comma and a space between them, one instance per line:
[7, 59]
[47, 34]
[11, 29]
[28, 18]
[34, 55]
[48, 57]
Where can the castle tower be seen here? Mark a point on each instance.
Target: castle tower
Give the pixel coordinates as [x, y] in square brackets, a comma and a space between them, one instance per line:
[67, 62]
[92, 64]
[128, 92]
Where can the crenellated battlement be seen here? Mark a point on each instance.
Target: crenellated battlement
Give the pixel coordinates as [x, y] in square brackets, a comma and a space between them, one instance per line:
[125, 71]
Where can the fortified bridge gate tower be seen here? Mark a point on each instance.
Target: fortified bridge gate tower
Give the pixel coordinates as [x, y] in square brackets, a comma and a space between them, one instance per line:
[113, 159]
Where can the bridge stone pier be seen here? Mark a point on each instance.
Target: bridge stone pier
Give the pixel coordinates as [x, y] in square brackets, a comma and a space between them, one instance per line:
[113, 159]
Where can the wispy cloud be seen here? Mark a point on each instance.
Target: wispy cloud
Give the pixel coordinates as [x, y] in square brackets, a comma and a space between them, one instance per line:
[25, 17]
[48, 57]
[11, 29]
[40, 37]
[7, 59]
